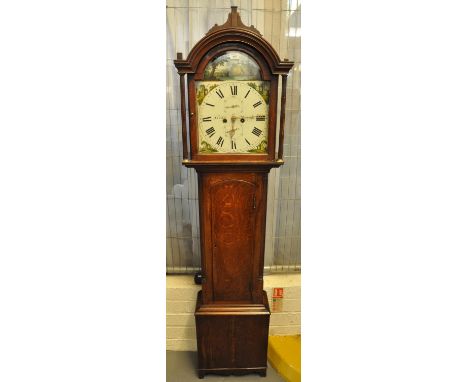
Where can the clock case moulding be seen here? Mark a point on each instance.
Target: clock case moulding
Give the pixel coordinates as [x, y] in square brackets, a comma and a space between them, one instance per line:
[232, 313]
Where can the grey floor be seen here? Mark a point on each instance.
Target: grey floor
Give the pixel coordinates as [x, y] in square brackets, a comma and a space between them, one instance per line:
[181, 366]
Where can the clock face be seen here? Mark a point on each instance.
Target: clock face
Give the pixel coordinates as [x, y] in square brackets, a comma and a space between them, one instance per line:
[232, 116]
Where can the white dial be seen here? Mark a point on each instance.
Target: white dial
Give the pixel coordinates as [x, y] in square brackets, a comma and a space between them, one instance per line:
[233, 118]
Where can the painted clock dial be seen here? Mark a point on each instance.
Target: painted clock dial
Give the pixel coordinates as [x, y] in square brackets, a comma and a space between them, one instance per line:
[232, 106]
[233, 118]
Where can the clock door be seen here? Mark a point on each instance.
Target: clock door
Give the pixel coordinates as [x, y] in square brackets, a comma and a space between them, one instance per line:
[232, 230]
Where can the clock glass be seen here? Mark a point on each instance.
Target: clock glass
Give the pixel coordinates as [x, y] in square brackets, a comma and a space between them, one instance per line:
[232, 106]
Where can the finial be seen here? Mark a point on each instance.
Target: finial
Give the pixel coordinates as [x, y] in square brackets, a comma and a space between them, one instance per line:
[233, 21]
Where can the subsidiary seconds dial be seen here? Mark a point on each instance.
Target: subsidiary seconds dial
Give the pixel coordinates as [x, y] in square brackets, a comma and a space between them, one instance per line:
[233, 118]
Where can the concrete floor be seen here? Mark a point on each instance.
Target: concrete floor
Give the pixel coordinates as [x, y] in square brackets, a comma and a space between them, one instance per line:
[181, 366]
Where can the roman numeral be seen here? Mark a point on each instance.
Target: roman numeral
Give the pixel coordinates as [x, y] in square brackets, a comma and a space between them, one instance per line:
[220, 141]
[207, 119]
[209, 104]
[247, 141]
[257, 104]
[220, 93]
[260, 117]
[256, 131]
[210, 131]
[234, 90]
[233, 145]
[247, 94]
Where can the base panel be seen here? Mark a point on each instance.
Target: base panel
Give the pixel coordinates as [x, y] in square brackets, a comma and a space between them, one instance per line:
[259, 370]
[230, 341]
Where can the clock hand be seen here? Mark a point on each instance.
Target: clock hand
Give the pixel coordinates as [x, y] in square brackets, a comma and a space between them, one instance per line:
[233, 130]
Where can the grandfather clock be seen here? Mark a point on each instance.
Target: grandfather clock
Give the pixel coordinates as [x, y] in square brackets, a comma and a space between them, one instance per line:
[232, 80]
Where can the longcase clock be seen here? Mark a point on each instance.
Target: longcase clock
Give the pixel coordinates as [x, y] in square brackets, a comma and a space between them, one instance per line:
[232, 78]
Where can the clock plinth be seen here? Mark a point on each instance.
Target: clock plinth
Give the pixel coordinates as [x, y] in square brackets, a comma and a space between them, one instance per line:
[232, 338]
[232, 81]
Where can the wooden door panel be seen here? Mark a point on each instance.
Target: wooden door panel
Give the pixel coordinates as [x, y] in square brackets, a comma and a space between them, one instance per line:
[216, 341]
[251, 340]
[233, 232]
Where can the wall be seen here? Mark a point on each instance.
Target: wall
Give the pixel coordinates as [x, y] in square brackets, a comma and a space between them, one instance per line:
[181, 293]
[279, 23]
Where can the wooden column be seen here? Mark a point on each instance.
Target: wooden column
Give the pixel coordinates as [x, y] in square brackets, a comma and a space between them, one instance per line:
[183, 112]
[282, 116]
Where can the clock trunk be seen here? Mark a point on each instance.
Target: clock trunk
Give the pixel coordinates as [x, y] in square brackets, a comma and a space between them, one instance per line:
[233, 215]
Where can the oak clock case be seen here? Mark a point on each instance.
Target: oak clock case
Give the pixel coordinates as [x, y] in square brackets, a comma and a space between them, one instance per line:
[231, 76]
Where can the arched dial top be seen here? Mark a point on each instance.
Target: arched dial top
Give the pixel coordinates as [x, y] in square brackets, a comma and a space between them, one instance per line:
[232, 65]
